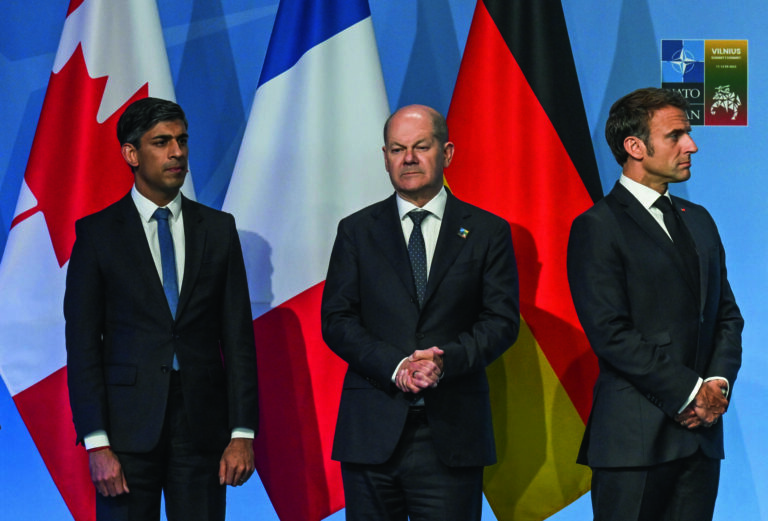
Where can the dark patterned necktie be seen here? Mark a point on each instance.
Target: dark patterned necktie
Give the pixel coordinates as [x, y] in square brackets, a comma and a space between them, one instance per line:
[418, 254]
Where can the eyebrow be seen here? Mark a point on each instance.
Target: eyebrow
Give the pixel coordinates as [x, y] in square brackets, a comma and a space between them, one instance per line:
[170, 136]
[397, 143]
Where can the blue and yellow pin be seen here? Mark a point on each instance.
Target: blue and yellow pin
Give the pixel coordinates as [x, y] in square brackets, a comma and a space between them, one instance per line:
[463, 232]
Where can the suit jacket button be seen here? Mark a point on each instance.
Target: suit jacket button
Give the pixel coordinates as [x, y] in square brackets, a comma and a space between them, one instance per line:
[165, 369]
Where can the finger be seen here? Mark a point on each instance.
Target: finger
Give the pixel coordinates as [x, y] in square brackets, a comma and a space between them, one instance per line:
[102, 488]
[222, 472]
[124, 483]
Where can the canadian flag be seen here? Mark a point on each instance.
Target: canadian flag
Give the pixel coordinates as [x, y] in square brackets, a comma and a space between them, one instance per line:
[311, 154]
[110, 54]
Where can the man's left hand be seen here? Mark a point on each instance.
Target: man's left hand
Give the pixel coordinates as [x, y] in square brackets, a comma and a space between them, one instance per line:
[237, 465]
[421, 370]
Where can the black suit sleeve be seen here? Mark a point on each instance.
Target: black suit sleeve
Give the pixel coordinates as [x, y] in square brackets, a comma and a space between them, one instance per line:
[84, 307]
[726, 354]
[237, 342]
[342, 325]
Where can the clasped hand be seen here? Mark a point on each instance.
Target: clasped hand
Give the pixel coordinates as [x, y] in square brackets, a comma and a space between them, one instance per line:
[422, 370]
[707, 407]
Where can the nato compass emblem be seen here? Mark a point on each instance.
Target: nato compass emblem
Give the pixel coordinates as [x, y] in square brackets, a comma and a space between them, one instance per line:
[682, 61]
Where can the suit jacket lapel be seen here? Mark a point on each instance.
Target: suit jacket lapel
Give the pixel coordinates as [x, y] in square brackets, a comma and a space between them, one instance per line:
[648, 224]
[194, 241]
[387, 236]
[449, 243]
[132, 230]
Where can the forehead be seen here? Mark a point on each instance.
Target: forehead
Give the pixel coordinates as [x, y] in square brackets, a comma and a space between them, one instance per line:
[669, 118]
[410, 126]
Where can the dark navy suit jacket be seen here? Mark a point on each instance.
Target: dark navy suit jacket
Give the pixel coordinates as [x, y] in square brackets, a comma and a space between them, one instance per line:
[654, 330]
[121, 336]
[371, 319]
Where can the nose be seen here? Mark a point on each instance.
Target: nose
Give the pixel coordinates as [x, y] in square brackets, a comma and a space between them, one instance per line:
[175, 149]
[690, 146]
[410, 157]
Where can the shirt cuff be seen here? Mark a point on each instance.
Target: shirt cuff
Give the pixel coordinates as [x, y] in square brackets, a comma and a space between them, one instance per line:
[394, 375]
[96, 439]
[691, 396]
[242, 432]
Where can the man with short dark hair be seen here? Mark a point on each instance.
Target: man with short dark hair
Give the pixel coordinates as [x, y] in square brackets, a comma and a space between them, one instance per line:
[160, 351]
[648, 279]
[421, 295]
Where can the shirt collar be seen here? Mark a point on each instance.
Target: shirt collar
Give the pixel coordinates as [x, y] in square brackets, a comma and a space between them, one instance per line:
[146, 207]
[436, 205]
[646, 195]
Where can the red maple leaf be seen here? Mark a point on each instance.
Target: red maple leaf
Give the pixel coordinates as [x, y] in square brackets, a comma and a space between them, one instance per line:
[75, 167]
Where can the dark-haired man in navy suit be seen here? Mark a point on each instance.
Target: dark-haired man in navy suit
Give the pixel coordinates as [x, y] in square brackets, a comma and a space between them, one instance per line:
[421, 295]
[160, 350]
[648, 278]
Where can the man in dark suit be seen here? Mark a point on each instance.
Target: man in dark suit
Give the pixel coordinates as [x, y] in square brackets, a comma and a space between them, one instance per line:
[421, 295]
[648, 278]
[160, 350]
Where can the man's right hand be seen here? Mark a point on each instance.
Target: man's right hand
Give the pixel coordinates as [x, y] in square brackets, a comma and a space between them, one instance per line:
[107, 473]
[710, 402]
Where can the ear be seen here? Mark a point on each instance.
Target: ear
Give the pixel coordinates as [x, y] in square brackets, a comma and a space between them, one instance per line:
[635, 147]
[447, 153]
[130, 154]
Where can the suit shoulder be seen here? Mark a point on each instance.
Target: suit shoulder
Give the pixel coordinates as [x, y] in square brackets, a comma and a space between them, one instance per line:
[104, 215]
[686, 205]
[479, 213]
[193, 208]
[372, 210]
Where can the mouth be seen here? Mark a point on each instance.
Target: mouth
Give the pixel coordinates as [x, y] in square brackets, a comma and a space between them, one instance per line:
[178, 170]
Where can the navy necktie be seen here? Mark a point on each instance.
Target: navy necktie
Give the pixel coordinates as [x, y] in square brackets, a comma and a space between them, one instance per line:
[418, 254]
[684, 245]
[167, 258]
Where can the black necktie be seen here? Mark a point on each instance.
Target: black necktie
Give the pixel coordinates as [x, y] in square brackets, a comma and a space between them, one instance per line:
[418, 254]
[680, 237]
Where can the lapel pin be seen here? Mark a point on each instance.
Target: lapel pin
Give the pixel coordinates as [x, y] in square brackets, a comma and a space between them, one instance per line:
[463, 232]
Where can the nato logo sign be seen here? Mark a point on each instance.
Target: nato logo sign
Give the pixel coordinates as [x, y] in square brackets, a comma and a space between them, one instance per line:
[711, 75]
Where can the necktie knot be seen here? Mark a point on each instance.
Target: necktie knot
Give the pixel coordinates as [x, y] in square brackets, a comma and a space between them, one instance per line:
[162, 214]
[664, 204]
[417, 216]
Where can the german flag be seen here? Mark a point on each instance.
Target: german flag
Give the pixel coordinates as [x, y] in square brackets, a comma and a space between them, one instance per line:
[523, 151]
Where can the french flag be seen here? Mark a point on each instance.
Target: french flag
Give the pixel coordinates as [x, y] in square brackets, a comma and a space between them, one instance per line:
[311, 154]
